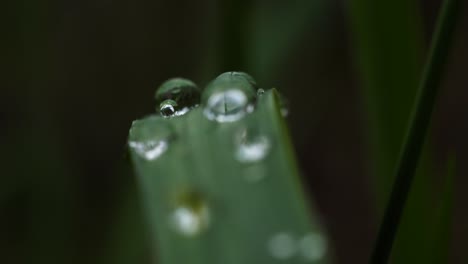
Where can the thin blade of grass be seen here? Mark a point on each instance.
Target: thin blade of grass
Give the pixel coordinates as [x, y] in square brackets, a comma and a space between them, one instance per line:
[419, 123]
[388, 41]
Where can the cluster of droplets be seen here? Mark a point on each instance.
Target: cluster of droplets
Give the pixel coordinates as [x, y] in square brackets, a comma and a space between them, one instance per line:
[311, 247]
[228, 98]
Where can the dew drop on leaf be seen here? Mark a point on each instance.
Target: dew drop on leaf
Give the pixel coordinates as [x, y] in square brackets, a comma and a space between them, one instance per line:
[284, 106]
[150, 149]
[282, 246]
[260, 92]
[168, 108]
[149, 138]
[229, 97]
[252, 147]
[190, 216]
[175, 97]
[226, 106]
[312, 247]
[244, 75]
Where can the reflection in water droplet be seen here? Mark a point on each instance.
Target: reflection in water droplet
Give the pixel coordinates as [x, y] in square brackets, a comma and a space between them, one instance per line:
[149, 138]
[150, 150]
[282, 246]
[226, 106]
[191, 216]
[252, 148]
[313, 247]
[260, 92]
[168, 108]
[177, 96]
[229, 97]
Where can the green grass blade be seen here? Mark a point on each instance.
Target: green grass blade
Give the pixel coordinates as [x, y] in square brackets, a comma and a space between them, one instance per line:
[388, 41]
[417, 131]
[205, 206]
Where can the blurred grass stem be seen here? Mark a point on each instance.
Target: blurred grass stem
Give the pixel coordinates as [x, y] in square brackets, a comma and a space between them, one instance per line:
[417, 130]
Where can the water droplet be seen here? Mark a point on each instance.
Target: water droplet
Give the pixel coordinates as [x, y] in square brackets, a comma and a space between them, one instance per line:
[182, 94]
[252, 147]
[191, 215]
[284, 106]
[244, 75]
[229, 97]
[260, 92]
[282, 246]
[313, 247]
[150, 149]
[149, 138]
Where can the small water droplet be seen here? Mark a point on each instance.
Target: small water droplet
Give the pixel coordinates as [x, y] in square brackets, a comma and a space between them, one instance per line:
[260, 92]
[149, 138]
[229, 97]
[252, 147]
[191, 215]
[284, 106]
[150, 149]
[168, 108]
[312, 247]
[282, 246]
[177, 96]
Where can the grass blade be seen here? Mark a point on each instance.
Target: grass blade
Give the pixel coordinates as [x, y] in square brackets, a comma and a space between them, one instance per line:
[205, 205]
[417, 131]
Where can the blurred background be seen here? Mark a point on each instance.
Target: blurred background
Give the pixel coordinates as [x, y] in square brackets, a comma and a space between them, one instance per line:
[76, 73]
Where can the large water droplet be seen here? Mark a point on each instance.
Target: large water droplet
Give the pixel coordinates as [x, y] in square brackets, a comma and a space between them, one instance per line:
[226, 106]
[252, 147]
[191, 215]
[282, 246]
[234, 74]
[176, 97]
[313, 247]
[229, 97]
[149, 138]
